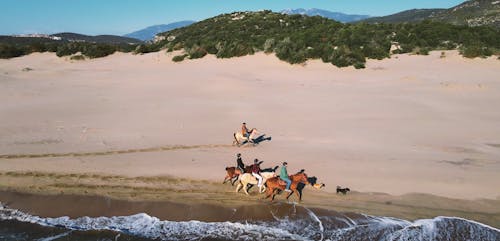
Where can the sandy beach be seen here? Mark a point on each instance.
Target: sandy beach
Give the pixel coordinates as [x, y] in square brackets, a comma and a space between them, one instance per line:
[405, 129]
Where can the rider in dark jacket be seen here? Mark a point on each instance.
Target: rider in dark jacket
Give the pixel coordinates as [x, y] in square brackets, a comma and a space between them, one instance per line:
[240, 163]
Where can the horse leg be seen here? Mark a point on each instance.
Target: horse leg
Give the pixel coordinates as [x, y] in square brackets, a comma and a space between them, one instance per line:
[238, 187]
[262, 188]
[246, 188]
[274, 194]
[269, 192]
[236, 140]
[290, 194]
[225, 179]
[234, 181]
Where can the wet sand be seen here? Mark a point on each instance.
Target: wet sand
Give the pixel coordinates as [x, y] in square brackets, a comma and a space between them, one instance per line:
[177, 199]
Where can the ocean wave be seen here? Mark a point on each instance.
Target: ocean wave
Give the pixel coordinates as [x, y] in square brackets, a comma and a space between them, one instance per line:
[303, 224]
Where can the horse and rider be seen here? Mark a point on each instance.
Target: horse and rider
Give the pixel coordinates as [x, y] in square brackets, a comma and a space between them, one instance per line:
[254, 175]
[234, 172]
[267, 180]
[255, 170]
[247, 135]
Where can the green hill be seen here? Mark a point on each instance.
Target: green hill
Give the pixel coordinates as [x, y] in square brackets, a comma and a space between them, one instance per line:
[471, 13]
[12, 46]
[296, 38]
[292, 38]
[108, 39]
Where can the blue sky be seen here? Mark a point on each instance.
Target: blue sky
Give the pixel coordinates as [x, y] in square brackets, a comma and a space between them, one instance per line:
[124, 16]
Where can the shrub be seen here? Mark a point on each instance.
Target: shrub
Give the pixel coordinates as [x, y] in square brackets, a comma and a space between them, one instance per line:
[67, 49]
[474, 51]
[145, 48]
[196, 52]
[269, 45]
[179, 58]
[98, 50]
[422, 51]
[359, 65]
[77, 57]
[10, 51]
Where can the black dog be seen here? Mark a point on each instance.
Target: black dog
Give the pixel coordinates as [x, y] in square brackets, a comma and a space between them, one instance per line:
[343, 190]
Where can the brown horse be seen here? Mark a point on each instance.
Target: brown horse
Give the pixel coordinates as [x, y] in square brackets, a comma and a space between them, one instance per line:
[275, 185]
[232, 174]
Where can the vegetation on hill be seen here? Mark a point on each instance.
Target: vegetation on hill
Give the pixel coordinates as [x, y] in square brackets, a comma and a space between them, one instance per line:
[11, 47]
[471, 13]
[297, 38]
[292, 38]
[337, 16]
[107, 39]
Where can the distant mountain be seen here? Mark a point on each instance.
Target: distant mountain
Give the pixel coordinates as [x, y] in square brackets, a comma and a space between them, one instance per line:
[471, 13]
[110, 39]
[150, 32]
[413, 15]
[341, 17]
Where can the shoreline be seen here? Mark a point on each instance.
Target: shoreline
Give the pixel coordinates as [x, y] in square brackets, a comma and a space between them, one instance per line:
[179, 199]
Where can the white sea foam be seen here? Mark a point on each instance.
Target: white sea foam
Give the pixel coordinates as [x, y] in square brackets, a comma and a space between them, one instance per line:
[321, 228]
[55, 237]
[309, 226]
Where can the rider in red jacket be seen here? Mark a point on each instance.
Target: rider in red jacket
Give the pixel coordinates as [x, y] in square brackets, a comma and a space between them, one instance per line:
[256, 171]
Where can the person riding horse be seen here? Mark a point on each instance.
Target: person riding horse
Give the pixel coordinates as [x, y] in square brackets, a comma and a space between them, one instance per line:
[284, 176]
[246, 132]
[239, 163]
[246, 135]
[256, 172]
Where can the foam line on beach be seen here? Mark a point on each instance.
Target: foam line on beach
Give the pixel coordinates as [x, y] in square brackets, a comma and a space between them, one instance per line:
[295, 227]
[55, 237]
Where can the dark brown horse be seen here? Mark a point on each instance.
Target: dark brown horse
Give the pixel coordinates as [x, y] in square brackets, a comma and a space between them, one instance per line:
[275, 185]
[232, 174]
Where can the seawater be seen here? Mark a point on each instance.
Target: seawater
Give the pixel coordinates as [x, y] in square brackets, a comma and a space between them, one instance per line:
[300, 224]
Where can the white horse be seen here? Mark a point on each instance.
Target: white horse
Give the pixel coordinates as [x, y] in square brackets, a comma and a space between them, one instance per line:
[255, 137]
[247, 178]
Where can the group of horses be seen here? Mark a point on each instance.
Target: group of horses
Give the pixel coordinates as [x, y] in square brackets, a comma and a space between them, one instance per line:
[272, 184]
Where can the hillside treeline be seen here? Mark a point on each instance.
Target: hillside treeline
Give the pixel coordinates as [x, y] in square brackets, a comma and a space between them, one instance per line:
[297, 38]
